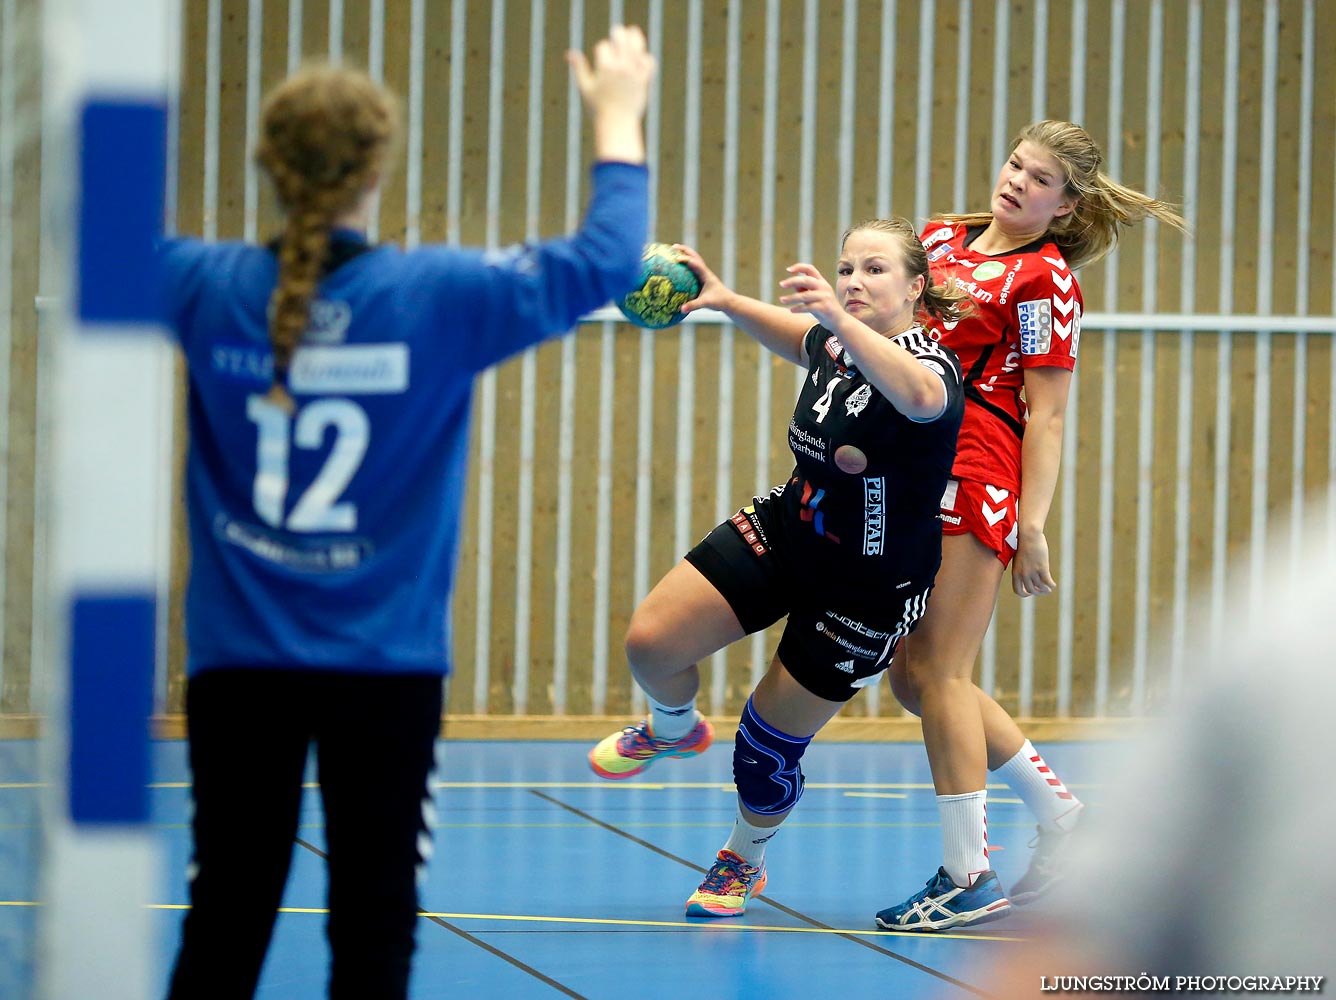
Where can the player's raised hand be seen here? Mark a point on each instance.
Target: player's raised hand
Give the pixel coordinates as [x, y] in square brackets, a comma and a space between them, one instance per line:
[615, 86]
[809, 292]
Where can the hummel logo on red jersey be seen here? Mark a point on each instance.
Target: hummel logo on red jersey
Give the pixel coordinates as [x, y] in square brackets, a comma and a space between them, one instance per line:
[1063, 322]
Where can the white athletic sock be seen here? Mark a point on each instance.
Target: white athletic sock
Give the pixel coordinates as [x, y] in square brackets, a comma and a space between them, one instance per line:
[1054, 807]
[964, 835]
[748, 842]
[671, 722]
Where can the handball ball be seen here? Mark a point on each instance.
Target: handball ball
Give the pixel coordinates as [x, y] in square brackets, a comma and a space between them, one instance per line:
[665, 283]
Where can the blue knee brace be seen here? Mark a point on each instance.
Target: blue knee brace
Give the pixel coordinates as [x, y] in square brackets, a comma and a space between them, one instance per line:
[765, 765]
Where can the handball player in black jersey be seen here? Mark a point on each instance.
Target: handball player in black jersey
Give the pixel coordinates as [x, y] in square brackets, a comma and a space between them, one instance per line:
[847, 548]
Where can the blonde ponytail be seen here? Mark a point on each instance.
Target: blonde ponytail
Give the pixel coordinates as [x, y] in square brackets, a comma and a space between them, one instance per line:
[1103, 207]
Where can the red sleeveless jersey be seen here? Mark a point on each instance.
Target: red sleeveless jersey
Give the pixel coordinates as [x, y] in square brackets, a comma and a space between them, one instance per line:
[1027, 314]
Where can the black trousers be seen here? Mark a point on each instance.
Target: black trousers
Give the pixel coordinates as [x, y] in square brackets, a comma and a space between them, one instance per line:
[249, 731]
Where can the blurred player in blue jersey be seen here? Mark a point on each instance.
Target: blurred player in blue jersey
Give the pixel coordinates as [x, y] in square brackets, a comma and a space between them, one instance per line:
[330, 386]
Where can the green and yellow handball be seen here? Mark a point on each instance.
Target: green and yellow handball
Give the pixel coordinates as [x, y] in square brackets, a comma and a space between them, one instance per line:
[666, 282]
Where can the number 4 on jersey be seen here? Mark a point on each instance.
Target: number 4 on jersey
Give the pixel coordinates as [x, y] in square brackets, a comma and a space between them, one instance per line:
[822, 405]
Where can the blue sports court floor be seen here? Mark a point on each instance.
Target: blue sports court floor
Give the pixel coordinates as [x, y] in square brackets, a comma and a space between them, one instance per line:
[549, 882]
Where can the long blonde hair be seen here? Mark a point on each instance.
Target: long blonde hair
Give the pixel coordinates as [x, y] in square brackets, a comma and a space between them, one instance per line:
[325, 135]
[1103, 206]
[946, 303]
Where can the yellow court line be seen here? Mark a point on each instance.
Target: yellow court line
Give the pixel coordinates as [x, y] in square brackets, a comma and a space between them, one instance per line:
[728, 787]
[875, 795]
[607, 785]
[641, 786]
[186, 784]
[607, 921]
[534, 918]
[722, 786]
[718, 824]
[712, 926]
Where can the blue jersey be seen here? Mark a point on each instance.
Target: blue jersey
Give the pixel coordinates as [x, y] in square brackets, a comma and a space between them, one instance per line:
[326, 538]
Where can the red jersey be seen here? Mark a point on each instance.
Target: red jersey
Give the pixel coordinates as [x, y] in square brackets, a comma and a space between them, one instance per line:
[1027, 314]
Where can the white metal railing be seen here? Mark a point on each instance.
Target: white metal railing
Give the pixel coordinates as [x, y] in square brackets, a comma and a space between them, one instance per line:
[1133, 322]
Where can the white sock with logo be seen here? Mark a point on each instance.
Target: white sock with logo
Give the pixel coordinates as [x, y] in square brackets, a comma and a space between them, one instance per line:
[748, 842]
[1033, 780]
[671, 722]
[964, 835]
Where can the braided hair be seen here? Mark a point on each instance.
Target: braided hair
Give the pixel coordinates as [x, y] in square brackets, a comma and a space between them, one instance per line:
[325, 136]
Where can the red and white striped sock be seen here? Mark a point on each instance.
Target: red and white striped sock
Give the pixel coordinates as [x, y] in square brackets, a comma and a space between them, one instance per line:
[964, 835]
[1033, 780]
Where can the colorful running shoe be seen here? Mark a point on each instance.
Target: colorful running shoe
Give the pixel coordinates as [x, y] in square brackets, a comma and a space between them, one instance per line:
[944, 904]
[1046, 866]
[626, 754]
[728, 885]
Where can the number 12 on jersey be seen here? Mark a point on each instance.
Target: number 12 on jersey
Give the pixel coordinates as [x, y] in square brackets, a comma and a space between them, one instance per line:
[319, 507]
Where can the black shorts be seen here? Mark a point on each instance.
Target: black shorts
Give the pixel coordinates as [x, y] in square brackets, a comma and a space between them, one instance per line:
[843, 627]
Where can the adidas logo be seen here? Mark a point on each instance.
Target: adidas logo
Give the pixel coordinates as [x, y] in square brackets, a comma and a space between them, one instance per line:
[847, 666]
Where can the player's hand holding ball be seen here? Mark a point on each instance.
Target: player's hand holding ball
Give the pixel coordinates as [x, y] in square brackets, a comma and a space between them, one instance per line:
[667, 284]
[712, 293]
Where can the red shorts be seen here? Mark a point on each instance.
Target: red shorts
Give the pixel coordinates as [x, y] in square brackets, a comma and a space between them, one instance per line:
[986, 512]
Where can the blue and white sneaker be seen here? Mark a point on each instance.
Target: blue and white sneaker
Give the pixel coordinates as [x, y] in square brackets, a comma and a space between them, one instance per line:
[944, 904]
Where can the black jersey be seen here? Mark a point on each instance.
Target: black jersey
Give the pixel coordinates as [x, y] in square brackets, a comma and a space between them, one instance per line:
[868, 485]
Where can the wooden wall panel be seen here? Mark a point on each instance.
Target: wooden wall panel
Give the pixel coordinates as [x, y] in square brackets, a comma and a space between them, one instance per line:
[808, 218]
[19, 432]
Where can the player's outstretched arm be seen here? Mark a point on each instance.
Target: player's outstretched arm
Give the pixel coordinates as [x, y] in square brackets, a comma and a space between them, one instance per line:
[773, 327]
[911, 388]
[1046, 393]
[520, 295]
